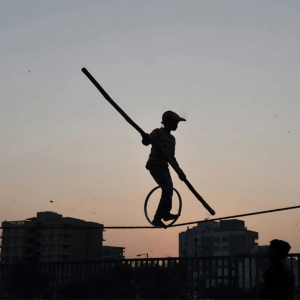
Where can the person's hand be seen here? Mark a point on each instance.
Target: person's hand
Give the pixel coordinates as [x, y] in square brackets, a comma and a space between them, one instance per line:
[182, 176]
[146, 139]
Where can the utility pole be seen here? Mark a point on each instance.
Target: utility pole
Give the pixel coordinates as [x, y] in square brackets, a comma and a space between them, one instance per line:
[143, 254]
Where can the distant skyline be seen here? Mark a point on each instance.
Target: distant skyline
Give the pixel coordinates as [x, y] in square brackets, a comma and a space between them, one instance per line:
[190, 226]
[230, 68]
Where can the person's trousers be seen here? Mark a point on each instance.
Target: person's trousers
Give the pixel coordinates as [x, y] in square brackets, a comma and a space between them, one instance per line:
[163, 178]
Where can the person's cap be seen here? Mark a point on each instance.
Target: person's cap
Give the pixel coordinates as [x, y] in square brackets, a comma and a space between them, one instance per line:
[170, 115]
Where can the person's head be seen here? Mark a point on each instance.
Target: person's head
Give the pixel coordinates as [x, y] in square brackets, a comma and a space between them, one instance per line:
[170, 120]
[278, 250]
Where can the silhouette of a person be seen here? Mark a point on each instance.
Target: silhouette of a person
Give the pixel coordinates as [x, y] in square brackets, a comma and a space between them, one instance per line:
[279, 281]
[158, 166]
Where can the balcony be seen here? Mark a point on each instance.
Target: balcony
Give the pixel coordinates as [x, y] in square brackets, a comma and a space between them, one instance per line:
[65, 241]
[66, 231]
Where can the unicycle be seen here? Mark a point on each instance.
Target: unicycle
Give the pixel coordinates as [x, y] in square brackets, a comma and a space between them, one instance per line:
[146, 202]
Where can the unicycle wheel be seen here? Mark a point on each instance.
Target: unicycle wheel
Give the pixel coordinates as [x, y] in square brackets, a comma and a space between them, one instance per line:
[146, 203]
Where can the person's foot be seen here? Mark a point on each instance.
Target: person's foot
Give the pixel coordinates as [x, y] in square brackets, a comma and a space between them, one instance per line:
[170, 217]
[158, 222]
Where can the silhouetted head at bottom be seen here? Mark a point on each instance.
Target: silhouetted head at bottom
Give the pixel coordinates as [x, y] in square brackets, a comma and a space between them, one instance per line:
[278, 250]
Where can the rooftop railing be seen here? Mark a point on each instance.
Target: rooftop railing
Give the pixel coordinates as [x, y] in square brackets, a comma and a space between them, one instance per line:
[216, 277]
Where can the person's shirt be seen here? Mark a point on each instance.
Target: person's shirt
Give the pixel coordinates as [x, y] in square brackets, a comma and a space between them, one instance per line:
[279, 283]
[166, 142]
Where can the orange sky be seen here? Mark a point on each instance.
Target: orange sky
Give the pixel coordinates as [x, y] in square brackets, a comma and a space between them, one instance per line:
[230, 68]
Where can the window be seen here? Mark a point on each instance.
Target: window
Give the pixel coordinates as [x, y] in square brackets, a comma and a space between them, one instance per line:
[207, 240]
[45, 248]
[196, 232]
[18, 249]
[55, 238]
[225, 248]
[217, 240]
[19, 240]
[45, 258]
[20, 230]
[225, 239]
[46, 238]
[10, 250]
[107, 252]
[55, 248]
[217, 248]
[195, 240]
[47, 229]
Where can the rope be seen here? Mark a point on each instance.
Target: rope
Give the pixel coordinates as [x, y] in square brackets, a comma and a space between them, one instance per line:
[216, 219]
[143, 227]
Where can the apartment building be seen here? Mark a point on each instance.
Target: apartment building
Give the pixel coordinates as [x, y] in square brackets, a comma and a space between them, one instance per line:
[212, 238]
[50, 237]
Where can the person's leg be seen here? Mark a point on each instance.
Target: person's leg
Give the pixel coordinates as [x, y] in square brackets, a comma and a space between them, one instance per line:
[162, 177]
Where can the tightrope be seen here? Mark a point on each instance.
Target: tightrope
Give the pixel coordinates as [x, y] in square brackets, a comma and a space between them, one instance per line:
[151, 227]
[207, 220]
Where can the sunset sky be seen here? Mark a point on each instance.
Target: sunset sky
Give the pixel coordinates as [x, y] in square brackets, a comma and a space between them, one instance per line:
[230, 68]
